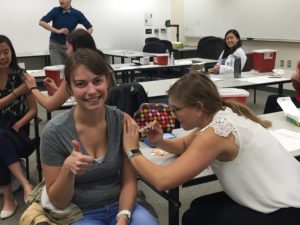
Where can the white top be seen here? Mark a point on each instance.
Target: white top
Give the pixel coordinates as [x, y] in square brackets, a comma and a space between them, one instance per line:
[263, 176]
[229, 62]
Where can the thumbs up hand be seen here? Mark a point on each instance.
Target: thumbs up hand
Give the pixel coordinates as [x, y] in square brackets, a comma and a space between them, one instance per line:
[78, 163]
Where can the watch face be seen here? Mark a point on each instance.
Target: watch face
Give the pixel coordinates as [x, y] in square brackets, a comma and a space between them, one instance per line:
[135, 151]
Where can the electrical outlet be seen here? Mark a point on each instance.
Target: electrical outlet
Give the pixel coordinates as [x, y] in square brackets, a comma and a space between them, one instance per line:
[289, 64]
[148, 31]
[156, 31]
[281, 63]
[163, 30]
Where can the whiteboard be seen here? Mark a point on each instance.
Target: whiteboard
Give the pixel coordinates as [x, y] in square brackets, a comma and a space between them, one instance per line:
[258, 19]
[116, 23]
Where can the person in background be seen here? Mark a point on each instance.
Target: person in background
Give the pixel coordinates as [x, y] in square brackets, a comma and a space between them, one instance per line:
[232, 49]
[243, 154]
[271, 103]
[17, 108]
[75, 40]
[64, 20]
[81, 151]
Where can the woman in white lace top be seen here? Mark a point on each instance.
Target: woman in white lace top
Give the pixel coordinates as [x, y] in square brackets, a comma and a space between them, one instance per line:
[260, 179]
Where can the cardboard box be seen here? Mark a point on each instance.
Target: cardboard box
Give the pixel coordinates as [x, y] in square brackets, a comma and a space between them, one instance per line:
[237, 94]
[264, 60]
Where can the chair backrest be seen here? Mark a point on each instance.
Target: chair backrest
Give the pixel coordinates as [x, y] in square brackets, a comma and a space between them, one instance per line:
[155, 47]
[210, 47]
[127, 97]
[249, 62]
[151, 39]
[167, 44]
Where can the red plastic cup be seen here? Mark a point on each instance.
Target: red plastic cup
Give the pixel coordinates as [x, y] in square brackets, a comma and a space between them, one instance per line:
[55, 73]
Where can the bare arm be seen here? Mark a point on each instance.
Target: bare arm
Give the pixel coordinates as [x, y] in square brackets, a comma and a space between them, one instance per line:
[29, 114]
[49, 102]
[20, 90]
[203, 149]
[60, 180]
[128, 187]
[175, 145]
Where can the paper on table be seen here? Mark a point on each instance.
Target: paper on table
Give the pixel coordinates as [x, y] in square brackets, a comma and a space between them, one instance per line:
[289, 139]
[288, 106]
[262, 79]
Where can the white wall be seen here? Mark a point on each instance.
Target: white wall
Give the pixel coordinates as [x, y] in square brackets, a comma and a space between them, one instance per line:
[117, 23]
[285, 50]
[267, 19]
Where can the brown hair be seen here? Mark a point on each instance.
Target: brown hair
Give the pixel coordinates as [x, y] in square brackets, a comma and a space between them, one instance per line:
[195, 87]
[88, 58]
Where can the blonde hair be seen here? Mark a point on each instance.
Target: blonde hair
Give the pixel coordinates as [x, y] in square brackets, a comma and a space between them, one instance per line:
[195, 87]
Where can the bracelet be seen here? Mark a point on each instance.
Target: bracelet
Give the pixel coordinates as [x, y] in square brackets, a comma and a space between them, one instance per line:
[35, 87]
[14, 94]
[125, 213]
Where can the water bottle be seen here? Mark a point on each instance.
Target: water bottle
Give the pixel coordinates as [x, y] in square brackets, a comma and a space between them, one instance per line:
[172, 59]
[237, 67]
[168, 53]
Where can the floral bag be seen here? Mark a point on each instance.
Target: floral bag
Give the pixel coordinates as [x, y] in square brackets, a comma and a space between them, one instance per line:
[160, 112]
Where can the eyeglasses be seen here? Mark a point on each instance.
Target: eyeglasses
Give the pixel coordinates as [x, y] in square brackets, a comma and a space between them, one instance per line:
[175, 108]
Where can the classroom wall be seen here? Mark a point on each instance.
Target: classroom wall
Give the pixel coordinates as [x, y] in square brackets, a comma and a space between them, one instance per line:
[117, 23]
[267, 19]
[285, 50]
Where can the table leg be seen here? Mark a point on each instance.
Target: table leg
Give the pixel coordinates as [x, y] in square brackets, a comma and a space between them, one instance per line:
[174, 210]
[280, 89]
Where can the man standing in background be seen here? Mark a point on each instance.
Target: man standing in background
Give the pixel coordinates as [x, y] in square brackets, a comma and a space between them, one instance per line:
[64, 19]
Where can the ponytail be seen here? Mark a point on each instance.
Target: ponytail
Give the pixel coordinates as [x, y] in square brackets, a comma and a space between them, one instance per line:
[242, 110]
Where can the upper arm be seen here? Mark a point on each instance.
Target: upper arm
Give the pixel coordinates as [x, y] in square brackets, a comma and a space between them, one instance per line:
[203, 149]
[50, 174]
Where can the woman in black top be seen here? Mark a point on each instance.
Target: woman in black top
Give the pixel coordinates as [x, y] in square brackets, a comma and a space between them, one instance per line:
[17, 108]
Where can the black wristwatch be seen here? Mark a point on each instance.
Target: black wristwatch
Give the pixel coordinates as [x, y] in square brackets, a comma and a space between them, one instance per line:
[134, 152]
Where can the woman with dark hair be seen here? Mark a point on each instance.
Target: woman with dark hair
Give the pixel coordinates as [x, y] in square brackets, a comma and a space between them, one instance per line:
[75, 40]
[17, 108]
[260, 178]
[81, 152]
[232, 49]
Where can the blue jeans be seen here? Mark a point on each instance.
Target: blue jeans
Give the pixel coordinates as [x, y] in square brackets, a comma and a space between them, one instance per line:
[107, 216]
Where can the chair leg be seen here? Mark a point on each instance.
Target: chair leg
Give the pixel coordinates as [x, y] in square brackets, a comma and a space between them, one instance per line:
[27, 168]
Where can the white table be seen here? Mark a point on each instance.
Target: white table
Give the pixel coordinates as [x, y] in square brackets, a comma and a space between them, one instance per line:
[128, 69]
[121, 53]
[158, 88]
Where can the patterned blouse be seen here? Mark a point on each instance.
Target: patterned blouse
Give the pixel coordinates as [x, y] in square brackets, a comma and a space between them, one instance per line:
[18, 107]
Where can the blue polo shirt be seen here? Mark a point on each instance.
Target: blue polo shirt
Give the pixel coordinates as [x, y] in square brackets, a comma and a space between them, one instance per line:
[61, 19]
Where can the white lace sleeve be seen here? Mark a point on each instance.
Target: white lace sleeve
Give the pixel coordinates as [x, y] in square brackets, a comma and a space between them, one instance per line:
[223, 127]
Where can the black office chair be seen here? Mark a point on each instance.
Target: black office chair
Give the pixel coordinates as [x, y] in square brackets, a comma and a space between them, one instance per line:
[127, 97]
[249, 62]
[167, 44]
[154, 47]
[151, 39]
[210, 47]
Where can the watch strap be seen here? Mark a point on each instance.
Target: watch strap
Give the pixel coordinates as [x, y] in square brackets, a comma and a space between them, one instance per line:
[134, 152]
